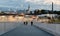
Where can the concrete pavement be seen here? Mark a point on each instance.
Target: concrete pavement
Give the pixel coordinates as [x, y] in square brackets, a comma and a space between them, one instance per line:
[27, 30]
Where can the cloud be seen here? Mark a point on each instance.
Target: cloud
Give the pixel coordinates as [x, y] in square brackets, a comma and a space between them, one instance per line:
[23, 4]
[7, 6]
[57, 2]
[34, 1]
[44, 1]
[14, 0]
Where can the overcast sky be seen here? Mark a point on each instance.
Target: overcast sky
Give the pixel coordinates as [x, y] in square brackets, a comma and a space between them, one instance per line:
[35, 4]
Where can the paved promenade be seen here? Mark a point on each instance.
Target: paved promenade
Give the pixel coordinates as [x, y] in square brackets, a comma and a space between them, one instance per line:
[27, 30]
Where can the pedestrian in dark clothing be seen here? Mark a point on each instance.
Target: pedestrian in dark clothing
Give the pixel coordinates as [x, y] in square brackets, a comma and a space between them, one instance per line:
[31, 23]
[24, 22]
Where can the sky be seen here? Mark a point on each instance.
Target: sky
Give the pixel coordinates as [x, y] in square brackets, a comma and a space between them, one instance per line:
[34, 4]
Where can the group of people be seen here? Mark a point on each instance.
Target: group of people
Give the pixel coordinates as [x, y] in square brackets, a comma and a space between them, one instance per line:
[25, 23]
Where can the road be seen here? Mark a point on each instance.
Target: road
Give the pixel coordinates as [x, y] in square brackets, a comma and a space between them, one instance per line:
[27, 30]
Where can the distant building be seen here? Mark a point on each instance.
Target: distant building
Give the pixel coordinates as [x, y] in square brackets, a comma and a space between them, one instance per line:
[48, 15]
[28, 10]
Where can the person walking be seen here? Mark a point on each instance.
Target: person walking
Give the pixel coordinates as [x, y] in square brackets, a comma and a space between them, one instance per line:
[24, 22]
[31, 23]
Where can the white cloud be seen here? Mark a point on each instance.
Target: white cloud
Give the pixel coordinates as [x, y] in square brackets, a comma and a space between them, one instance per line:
[23, 3]
[3, 1]
[44, 1]
[14, 0]
[54, 1]
[34, 1]
[5, 6]
[9, 6]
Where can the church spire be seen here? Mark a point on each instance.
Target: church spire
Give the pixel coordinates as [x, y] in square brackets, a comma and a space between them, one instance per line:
[28, 8]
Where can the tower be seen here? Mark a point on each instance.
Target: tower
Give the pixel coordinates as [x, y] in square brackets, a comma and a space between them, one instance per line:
[28, 9]
[52, 6]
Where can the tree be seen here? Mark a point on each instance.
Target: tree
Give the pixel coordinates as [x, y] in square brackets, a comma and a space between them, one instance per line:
[31, 12]
[43, 11]
[2, 12]
[37, 12]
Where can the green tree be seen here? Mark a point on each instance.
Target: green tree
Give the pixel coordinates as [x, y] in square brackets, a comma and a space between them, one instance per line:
[37, 12]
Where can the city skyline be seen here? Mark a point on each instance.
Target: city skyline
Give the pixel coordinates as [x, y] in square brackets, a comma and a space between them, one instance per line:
[35, 4]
